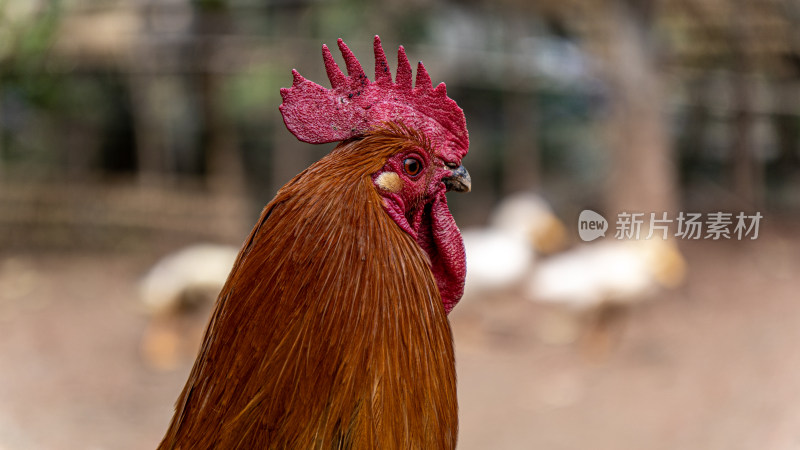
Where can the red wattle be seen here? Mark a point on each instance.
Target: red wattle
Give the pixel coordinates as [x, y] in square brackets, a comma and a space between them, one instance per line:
[440, 238]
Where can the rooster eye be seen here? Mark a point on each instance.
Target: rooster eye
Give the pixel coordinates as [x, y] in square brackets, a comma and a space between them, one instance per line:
[412, 166]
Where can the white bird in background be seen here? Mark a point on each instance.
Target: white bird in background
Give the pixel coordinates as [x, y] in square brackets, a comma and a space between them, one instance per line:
[178, 293]
[608, 272]
[597, 283]
[501, 255]
[178, 277]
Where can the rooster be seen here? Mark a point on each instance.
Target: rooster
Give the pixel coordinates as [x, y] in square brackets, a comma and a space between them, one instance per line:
[331, 330]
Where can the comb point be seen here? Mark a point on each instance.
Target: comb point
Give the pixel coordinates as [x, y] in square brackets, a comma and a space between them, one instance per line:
[423, 80]
[354, 68]
[383, 74]
[335, 74]
[403, 78]
[297, 78]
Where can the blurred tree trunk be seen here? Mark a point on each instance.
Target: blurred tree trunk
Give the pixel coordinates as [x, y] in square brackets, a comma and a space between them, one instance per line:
[642, 175]
[521, 156]
[521, 163]
[150, 149]
[152, 82]
[787, 126]
[291, 156]
[787, 123]
[2, 139]
[746, 173]
[218, 141]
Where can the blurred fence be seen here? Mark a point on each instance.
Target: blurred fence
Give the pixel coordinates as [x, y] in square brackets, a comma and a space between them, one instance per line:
[47, 216]
[628, 104]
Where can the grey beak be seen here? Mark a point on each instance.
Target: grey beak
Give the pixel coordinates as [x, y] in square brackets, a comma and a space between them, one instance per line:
[459, 180]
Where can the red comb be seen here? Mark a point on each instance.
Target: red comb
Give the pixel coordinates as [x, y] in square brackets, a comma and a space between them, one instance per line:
[354, 104]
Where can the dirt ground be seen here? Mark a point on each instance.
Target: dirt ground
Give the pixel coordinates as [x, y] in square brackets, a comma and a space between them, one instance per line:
[712, 365]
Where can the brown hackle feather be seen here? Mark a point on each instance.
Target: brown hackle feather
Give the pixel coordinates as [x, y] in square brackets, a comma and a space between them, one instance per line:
[330, 332]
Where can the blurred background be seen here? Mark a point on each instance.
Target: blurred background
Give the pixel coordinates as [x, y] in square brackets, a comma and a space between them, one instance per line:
[136, 130]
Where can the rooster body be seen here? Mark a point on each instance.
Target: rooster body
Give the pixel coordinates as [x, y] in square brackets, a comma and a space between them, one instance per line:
[331, 331]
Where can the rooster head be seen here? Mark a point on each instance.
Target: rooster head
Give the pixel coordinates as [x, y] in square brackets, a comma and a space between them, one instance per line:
[413, 183]
[422, 133]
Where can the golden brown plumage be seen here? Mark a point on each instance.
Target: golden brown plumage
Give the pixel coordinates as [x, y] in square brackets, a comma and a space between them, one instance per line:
[330, 331]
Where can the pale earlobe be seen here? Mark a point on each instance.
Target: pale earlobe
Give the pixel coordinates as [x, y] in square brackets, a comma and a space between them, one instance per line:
[389, 181]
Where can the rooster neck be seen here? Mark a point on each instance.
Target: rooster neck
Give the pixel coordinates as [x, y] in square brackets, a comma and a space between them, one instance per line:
[329, 333]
